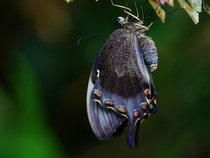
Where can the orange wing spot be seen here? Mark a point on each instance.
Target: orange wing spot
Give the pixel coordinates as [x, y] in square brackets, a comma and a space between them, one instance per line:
[147, 92]
[144, 107]
[136, 113]
[121, 109]
[109, 103]
[97, 93]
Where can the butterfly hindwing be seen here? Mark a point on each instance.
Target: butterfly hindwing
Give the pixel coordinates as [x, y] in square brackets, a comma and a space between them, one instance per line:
[104, 122]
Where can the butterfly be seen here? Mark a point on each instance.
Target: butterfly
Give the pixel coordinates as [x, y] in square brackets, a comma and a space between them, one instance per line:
[121, 90]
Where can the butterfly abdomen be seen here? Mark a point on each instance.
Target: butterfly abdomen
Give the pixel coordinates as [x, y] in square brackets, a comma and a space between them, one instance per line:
[149, 51]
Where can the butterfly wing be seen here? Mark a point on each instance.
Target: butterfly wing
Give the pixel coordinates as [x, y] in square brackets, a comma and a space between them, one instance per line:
[120, 88]
[104, 122]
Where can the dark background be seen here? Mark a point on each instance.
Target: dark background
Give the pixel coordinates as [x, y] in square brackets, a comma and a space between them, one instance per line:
[44, 75]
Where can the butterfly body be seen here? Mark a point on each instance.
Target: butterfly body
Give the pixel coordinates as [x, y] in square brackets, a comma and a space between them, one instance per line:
[121, 90]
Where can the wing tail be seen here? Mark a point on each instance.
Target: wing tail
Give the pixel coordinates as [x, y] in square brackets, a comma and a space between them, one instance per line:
[133, 135]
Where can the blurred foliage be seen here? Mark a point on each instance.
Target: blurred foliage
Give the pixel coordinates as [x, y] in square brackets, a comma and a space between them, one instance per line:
[44, 76]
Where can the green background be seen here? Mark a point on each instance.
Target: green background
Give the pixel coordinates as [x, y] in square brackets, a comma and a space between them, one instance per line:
[44, 75]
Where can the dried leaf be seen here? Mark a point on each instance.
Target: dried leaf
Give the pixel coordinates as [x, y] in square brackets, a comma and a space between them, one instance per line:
[196, 4]
[190, 11]
[159, 11]
[170, 3]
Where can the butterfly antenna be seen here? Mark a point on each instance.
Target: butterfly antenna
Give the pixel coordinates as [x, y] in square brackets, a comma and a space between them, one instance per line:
[88, 36]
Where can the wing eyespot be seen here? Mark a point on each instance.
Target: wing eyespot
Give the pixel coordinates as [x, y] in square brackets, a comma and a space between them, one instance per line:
[147, 92]
[109, 103]
[143, 105]
[97, 93]
[121, 110]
